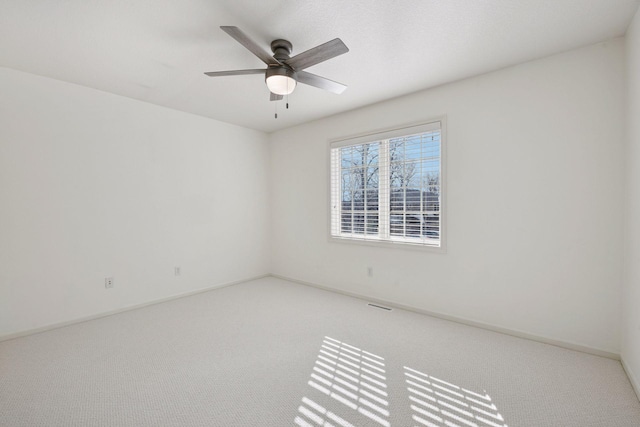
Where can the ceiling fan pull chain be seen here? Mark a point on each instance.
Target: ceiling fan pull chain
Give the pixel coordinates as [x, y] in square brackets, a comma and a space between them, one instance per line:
[276, 108]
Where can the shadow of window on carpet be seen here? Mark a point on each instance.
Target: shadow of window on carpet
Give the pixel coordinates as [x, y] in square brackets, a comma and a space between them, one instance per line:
[356, 379]
[437, 403]
[353, 377]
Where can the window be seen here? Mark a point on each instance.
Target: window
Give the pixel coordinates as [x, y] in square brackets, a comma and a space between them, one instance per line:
[387, 187]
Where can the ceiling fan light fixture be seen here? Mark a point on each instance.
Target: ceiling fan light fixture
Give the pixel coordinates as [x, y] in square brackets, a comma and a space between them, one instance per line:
[280, 80]
[284, 71]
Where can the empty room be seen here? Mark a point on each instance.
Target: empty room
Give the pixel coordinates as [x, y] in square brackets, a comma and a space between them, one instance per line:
[320, 213]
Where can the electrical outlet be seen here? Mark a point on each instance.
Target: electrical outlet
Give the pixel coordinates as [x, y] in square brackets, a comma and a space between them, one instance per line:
[176, 271]
[108, 282]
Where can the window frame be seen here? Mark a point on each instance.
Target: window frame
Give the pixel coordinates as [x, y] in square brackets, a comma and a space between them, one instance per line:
[383, 134]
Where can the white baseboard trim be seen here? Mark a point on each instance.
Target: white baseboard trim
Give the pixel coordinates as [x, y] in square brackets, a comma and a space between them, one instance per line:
[512, 332]
[490, 327]
[632, 378]
[128, 308]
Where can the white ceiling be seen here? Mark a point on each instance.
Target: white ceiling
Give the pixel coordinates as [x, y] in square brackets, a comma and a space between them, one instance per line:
[157, 50]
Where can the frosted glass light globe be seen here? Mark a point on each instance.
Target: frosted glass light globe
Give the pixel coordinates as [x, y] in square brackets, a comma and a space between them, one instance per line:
[281, 85]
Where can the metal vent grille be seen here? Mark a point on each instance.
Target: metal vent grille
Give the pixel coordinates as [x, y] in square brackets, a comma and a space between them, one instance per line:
[379, 306]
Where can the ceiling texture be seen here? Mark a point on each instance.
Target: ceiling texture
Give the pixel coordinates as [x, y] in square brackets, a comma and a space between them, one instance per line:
[157, 50]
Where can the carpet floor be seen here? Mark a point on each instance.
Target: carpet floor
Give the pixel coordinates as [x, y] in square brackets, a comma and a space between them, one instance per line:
[275, 353]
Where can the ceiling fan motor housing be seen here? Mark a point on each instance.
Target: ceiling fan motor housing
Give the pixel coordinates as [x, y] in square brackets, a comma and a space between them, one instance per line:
[281, 49]
[280, 71]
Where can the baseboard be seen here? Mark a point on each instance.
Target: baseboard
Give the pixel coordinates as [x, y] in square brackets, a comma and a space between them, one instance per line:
[121, 310]
[632, 378]
[512, 332]
[490, 327]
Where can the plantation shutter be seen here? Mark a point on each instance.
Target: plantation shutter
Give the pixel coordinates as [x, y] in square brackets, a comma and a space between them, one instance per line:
[388, 186]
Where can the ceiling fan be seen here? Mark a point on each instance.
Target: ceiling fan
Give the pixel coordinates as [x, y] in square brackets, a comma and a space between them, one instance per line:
[284, 72]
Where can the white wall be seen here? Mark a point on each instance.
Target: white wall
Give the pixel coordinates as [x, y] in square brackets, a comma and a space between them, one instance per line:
[95, 185]
[534, 201]
[631, 296]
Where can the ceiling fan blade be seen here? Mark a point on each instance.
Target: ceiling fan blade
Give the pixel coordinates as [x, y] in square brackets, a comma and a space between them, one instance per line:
[245, 41]
[316, 55]
[320, 82]
[275, 97]
[233, 73]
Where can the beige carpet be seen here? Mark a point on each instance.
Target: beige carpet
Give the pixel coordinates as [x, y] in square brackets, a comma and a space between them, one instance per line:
[274, 353]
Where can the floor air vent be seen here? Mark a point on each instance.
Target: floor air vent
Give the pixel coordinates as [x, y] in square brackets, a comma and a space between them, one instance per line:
[379, 306]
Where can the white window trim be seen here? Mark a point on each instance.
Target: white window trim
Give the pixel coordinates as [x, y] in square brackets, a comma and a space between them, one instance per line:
[387, 133]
